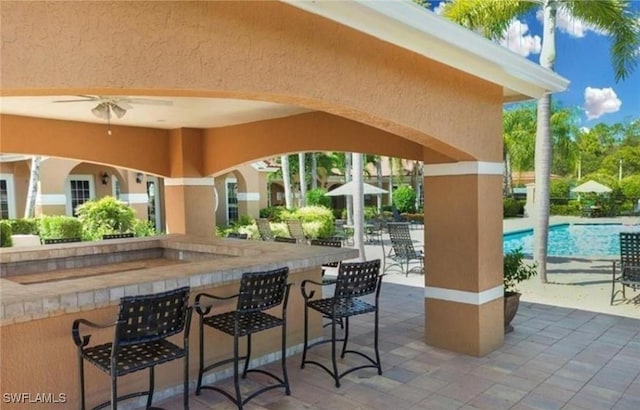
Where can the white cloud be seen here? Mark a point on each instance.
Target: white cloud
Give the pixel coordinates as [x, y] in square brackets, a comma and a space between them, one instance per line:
[439, 8]
[516, 39]
[573, 27]
[600, 101]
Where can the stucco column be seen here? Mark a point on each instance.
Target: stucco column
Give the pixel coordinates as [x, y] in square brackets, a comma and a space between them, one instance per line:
[463, 256]
[190, 206]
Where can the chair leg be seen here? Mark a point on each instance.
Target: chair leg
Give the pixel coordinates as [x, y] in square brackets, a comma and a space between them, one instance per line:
[285, 376]
[186, 379]
[336, 376]
[346, 336]
[201, 359]
[114, 388]
[248, 359]
[236, 376]
[81, 372]
[375, 341]
[306, 336]
[151, 385]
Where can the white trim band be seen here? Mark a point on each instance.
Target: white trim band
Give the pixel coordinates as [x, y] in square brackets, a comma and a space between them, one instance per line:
[135, 198]
[464, 168]
[189, 182]
[461, 296]
[248, 196]
[51, 199]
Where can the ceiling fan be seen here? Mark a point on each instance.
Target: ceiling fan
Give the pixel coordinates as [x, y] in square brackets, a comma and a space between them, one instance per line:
[107, 106]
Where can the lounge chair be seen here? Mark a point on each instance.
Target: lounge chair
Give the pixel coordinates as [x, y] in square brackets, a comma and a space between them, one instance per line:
[264, 229]
[402, 254]
[629, 265]
[296, 231]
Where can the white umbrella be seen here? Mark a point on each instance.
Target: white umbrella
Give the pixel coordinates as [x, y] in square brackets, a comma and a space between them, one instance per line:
[349, 188]
[592, 186]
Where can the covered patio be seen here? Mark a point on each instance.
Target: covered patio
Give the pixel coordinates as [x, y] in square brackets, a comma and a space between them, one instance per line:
[556, 358]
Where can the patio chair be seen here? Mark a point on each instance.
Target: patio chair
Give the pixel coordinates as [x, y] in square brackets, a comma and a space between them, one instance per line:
[118, 235]
[237, 235]
[264, 229]
[342, 233]
[354, 281]
[55, 241]
[402, 254]
[373, 231]
[335, 243]
[259, 292]
[285, 239]
[296, 231]
[629, 265]
[141, 342]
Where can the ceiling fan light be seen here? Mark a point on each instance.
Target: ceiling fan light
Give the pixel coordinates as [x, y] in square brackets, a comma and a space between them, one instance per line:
[118, 111]
[102, 111]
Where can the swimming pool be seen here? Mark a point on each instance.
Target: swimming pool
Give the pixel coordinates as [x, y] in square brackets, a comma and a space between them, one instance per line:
[574, 239]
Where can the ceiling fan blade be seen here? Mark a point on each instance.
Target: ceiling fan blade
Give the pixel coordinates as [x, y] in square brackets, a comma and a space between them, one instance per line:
[86, 98]
[65, 101]
[146, 101]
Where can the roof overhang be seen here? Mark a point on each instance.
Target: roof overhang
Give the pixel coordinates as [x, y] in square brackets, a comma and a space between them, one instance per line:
[412, 27]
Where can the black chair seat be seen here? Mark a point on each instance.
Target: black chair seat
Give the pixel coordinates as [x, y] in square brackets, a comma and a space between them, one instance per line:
[249, 322]
[133, 357]
[343, 307]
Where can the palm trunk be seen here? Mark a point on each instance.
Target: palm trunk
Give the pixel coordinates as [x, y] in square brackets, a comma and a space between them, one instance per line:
[390, 181]
[508, 179]
[543, 147]
[303, 179]
[347, 177]
[32, 192]
[314, 171]
[379, 180]
[358, 206]
[286, 180]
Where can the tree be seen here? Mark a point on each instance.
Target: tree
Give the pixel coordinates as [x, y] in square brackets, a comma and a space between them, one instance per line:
[492, 18]
[303, 179]
[286, 180]
[32, 191]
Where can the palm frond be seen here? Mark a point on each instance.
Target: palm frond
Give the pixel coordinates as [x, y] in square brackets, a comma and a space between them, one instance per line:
[616, 18]
[490, 18]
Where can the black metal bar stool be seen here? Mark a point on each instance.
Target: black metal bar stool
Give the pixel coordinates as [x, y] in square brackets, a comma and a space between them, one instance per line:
[140, 342]
[259, 291]
[354, 280]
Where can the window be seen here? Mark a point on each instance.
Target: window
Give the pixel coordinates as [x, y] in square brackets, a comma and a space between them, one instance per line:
[79, 190]
[7, 204]
[232, 201]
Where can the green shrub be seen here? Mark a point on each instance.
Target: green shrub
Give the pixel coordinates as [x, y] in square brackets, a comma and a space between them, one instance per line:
[319, 214]
[24, 226]
[511, 207]
[5, 234]
[404, 198]
[631, 187]
[370, 212]
[272, 213]
[318, 197]
[140, 227]
[105, 216]
[559, 189]
[59, 226]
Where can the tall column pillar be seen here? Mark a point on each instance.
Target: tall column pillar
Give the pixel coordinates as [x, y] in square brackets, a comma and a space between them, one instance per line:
[190, 206]
[463, 256]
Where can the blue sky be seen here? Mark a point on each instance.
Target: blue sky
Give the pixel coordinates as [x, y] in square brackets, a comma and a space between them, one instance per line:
[583, 57]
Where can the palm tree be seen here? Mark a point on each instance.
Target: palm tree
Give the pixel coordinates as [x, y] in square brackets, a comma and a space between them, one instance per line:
[32, 192]
[358, 205]
[303, 179]
[314, 171]
[286, 180]
[492, 18]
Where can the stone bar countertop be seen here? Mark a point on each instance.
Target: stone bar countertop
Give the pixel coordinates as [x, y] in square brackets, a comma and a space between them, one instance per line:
[90, 278]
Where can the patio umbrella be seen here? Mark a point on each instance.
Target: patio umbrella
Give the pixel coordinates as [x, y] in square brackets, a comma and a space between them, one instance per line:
[349, 188]
[591, 186]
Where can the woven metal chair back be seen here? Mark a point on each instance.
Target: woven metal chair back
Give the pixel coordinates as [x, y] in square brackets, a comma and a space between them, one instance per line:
[401, 241]
[295, 230]
[357, 279]
[146, 318]
[285, 239]
[630, 256]
[264, 228]
[260, 291]
[336, 243]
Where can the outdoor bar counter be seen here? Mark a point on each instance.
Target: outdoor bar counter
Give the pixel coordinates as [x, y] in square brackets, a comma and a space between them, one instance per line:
[44, 288]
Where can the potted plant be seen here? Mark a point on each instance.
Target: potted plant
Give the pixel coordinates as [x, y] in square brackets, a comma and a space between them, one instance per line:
[515, 271]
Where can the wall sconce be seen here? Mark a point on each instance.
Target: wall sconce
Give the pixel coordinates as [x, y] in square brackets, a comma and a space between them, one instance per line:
[105, 178]
[139, 177]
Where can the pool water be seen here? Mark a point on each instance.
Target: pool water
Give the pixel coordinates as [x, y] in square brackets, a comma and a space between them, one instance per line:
[574, 239]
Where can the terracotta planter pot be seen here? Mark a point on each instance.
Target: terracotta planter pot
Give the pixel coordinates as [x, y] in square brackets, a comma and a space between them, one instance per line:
[511, 302]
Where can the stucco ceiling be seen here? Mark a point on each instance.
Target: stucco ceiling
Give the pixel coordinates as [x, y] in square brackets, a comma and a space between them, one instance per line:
[184, 112]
